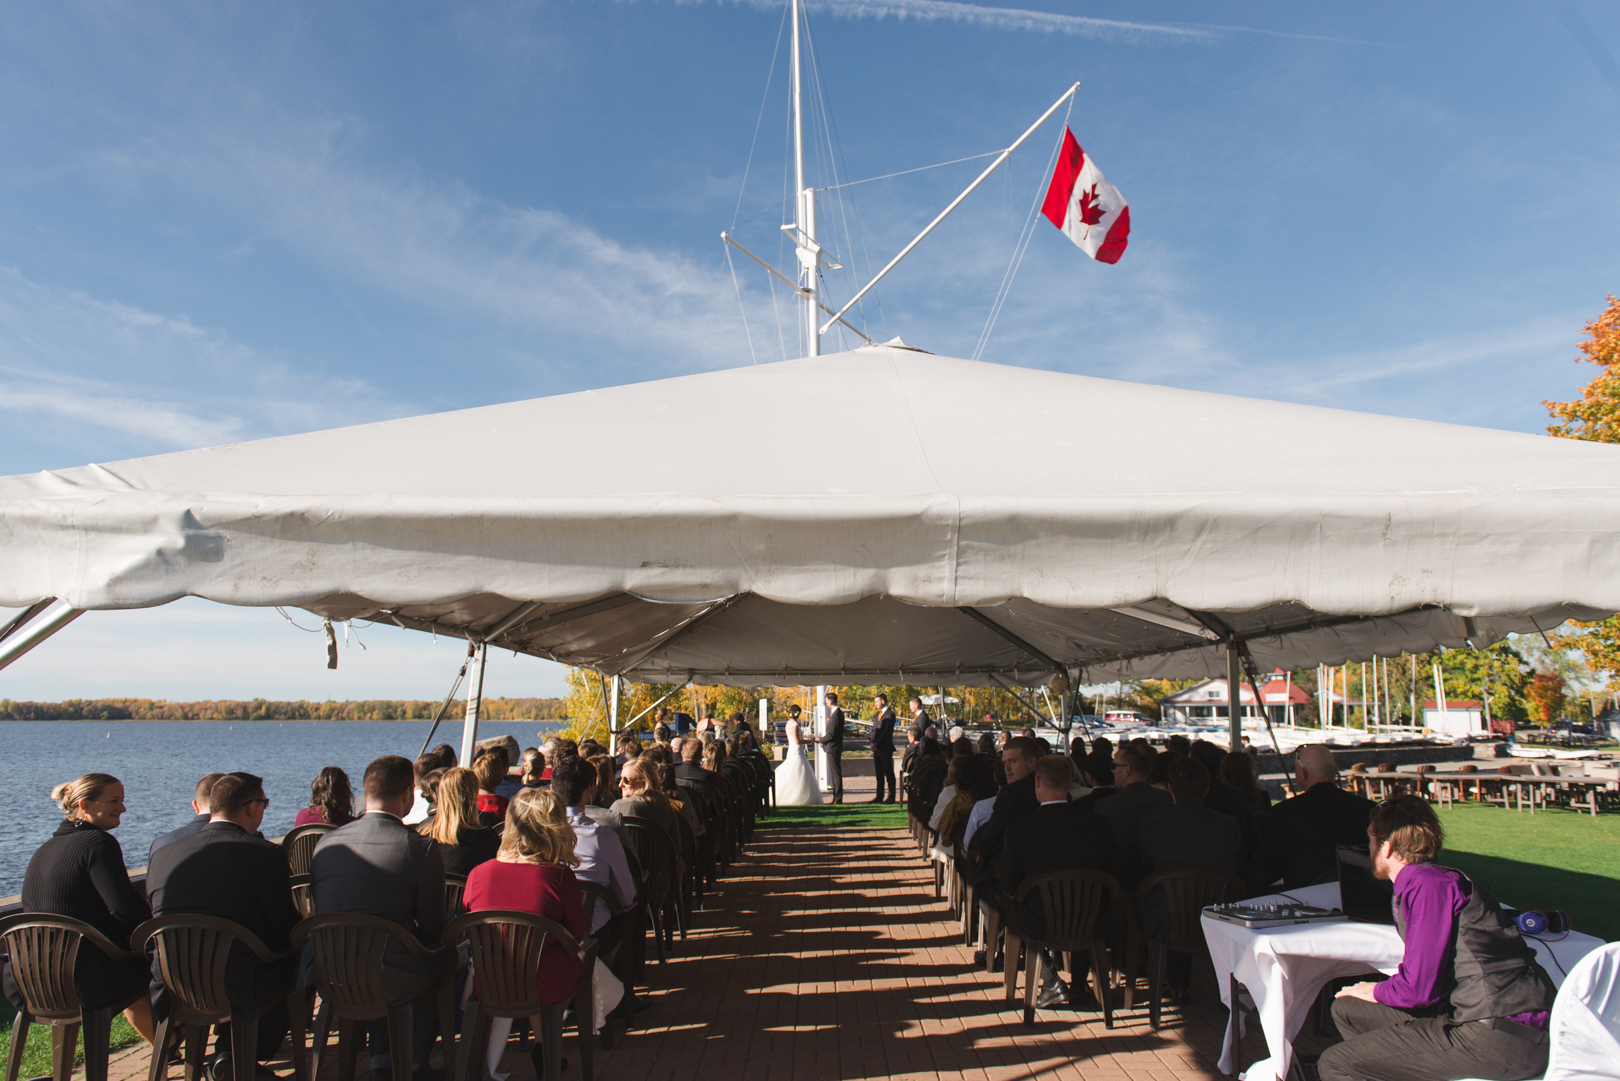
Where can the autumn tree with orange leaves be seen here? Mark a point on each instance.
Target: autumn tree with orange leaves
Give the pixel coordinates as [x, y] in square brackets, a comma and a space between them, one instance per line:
[1595, 416]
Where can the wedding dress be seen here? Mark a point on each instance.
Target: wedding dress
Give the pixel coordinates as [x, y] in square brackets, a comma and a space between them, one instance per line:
[795, 781]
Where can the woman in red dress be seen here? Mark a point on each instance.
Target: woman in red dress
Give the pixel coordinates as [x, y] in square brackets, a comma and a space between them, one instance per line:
[534, 872]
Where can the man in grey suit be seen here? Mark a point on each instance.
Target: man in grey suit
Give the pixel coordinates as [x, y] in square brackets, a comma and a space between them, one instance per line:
[1189, 834]
[379, 866]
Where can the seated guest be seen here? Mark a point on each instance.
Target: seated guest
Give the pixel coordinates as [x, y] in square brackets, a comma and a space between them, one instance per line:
[1469, 999]
[490, 768]
[1100, 776]
[428, 792]
[598, 848]
[1180, 746]
[605, 784]
[929, 750]
[1014, 802]
[379, 866]
[642, 798]
[200, 815]
[227, 870]
[973, 783]
[80, 873]
[1225, 798]
[1307, 830]
[947, 793]
[629, 747]
[745, 735]
[678, 798]
[534, 769]
[456, 828]
[1057, 836]
[908, 757]
[534, 872]
[1237, 770]
[1159, 771]
[714, 757]
[1189, 834]
[1135, 801]
[424, 765]
[331, 801]
[690, 768]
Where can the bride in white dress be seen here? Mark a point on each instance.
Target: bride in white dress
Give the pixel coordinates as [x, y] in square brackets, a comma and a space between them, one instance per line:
[795, 781]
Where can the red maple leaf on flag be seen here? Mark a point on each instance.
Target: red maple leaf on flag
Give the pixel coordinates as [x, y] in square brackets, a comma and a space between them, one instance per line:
[1090, 207]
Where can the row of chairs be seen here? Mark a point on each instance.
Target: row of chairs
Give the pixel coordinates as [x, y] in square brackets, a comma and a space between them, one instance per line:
[503, 947]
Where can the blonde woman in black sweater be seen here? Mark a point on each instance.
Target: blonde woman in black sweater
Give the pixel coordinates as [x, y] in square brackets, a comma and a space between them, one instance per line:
[80, 873]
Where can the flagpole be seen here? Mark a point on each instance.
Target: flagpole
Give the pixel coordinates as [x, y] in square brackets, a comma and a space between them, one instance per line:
[1005, 154]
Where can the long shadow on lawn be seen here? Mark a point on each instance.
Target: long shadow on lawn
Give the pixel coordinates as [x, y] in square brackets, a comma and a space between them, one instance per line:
[1587, 898]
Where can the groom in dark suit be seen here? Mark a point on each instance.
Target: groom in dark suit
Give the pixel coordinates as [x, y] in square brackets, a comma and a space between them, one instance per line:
[883, 747]
[833, 744]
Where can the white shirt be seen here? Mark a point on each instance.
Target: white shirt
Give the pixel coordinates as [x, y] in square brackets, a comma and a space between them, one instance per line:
[419, 810]
[979, 816]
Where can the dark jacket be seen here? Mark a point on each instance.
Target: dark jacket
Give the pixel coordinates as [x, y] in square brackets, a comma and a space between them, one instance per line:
[692, 771]
[1127, 808]
[1190, 835]
[1055, 837]
[833, 741]
[80, 873]
[1013, 804]
[1306, 830]
[474, 845]
[883, 731]
[190, 829]
[223, 870]
[1231, 801]
[381, 867]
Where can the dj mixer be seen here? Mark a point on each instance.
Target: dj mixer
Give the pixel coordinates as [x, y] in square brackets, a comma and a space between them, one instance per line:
[1273, 915]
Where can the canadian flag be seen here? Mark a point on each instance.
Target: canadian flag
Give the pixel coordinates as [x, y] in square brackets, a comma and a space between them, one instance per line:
[1089, 209]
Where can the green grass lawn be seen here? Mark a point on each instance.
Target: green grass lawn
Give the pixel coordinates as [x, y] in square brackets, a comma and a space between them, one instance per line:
[37, 1054]
[1553, 859]
[840, 816]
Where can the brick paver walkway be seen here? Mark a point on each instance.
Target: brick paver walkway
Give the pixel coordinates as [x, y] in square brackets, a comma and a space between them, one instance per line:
[825, 957]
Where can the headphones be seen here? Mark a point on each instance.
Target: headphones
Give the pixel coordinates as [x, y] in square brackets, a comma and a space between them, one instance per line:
[1532, 922]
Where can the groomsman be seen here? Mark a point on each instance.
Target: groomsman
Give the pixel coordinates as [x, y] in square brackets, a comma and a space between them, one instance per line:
[833, 744]
[883, 747]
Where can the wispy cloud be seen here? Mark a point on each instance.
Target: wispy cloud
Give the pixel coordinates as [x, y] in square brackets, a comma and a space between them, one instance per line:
[103, 364]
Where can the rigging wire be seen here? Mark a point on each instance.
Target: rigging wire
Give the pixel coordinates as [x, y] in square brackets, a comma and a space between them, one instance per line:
[289, 619]
[918, 169]
[1021, 245]
[829, 133]
[740, 307]
[763, 101]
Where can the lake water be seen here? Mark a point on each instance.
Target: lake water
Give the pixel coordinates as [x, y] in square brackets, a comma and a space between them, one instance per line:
[160, 763]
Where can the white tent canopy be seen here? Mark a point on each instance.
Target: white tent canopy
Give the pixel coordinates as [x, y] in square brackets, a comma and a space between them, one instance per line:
[882, 515]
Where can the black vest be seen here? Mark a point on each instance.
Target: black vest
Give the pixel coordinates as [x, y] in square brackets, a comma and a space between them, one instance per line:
[1493, 972]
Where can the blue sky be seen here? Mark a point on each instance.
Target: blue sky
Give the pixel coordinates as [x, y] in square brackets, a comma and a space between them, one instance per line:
[222, 221]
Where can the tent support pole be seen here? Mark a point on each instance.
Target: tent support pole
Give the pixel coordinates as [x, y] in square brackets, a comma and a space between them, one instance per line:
[1028, 706]
[22, 638]
[1234, 696]
[613, 708]
[445, 705]
[475, 702]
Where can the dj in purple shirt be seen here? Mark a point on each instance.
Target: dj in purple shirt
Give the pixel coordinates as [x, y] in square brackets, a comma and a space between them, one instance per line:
[1431, 897]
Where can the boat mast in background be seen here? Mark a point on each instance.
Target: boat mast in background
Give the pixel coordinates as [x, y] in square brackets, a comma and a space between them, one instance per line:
[804, 226]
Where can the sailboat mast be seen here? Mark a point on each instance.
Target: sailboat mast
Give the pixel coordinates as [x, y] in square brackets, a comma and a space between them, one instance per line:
[805, 199]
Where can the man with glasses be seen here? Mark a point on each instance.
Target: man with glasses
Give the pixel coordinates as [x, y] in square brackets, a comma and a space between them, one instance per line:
[227, 869]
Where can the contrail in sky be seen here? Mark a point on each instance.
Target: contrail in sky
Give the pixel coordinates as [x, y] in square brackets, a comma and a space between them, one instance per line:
[999, 18]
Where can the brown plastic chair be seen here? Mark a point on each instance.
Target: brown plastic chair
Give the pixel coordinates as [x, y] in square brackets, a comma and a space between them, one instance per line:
[1071, 902]
[1187, 892]
[347, 949]
[43, 949]
[594, 893]
[656, 853]
[504, 947]
[303, 895]
[192, 954]
[299, 845]
[455, 887]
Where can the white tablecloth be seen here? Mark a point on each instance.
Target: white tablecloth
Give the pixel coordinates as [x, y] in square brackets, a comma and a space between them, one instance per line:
[1285, 968]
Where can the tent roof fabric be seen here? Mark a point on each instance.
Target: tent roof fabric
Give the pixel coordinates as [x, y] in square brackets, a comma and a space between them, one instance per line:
[896, 513]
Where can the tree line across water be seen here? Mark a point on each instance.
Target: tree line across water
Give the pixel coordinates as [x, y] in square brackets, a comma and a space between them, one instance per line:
[262, 709]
